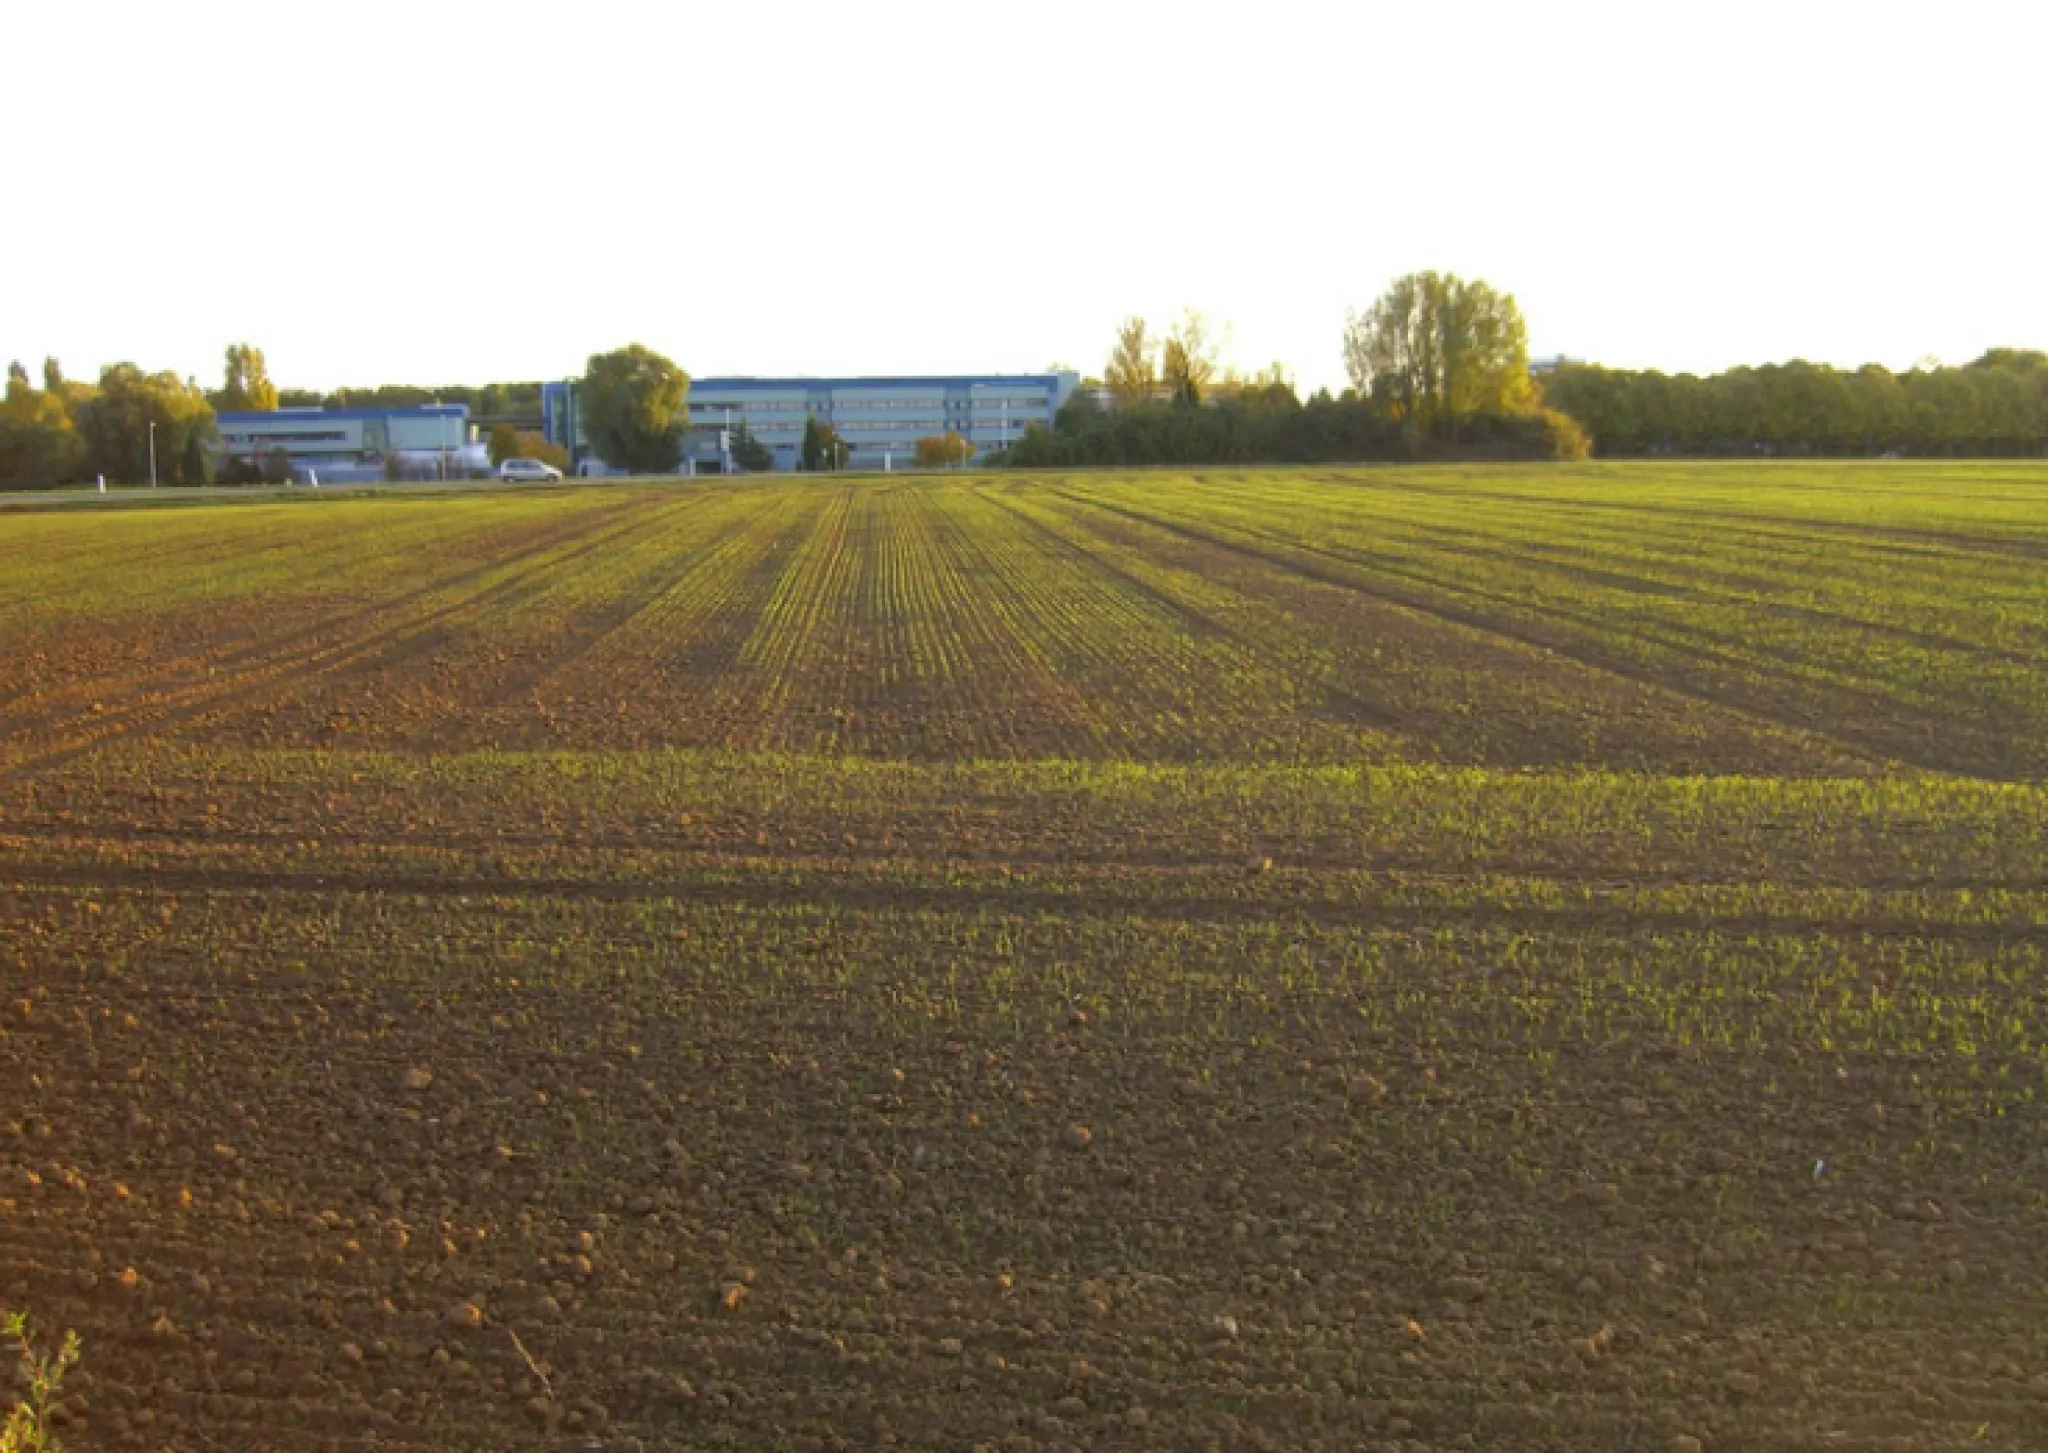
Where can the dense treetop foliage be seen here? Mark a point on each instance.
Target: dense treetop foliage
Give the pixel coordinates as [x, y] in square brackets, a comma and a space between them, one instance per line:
[1270, 425]
[490, 401]
[1996, 405]
[633, 409]
[247, 388]
[1437, 348]
[1439, 369]
[67, 431]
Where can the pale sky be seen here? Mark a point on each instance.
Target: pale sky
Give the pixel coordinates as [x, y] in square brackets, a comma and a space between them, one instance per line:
[441, 192]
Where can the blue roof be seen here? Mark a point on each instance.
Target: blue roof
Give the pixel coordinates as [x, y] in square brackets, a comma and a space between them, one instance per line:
[425, 411]
[967, 380]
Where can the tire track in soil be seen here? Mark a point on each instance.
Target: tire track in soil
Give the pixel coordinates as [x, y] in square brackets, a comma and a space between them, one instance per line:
[589, 633]
[1003, 899]
[239, 654]
[1877, 753]
[1791, 524]
[313, 654]
[1617, 692]
[1360, 711]
[633, 602]
[683, 676]
[1550, 557]
[1437, 590]
[739, 850]
[983, 586]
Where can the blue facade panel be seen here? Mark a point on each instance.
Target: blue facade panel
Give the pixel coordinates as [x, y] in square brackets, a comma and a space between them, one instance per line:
[880, 419]
[338, 444]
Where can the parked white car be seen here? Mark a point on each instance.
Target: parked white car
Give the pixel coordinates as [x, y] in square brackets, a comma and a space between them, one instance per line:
[531, 469]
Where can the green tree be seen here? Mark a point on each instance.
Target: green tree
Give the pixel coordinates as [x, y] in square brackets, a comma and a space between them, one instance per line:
[822, 447]
[1187, 361]
[750, 453]
[1130, 374]
[114, 425]
[2014, 360]
[39, 444]
[507, 442]
[1078, 413]
[632, 402]
[1437, 347]
[532, 444]
[246, 387]
[1996, 406]
[25, 1427]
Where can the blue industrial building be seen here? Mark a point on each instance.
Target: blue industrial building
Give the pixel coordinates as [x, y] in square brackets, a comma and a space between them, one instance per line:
[340, 445]
[879, 419]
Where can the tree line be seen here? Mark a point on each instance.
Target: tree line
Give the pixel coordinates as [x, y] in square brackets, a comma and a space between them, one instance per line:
[488, 401]
[1997, 405]
[67, 431]
[1271, 424]
[1439, 368]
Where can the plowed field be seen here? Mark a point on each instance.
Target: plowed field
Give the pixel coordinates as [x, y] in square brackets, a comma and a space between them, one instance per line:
[1391, 959]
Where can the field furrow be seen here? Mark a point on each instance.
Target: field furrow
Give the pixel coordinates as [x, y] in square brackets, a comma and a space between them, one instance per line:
[1449, 958]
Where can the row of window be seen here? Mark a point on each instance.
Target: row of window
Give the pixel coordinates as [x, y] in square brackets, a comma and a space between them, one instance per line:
[909, 428]
[322, 436]
[904, 434]
[850, 405]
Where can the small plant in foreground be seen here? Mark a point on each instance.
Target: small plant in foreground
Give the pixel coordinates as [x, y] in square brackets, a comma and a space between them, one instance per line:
[27, 1425]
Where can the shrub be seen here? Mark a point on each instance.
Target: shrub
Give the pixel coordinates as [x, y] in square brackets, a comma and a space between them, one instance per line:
[26, 1428]
[940, 450]
[238, 469]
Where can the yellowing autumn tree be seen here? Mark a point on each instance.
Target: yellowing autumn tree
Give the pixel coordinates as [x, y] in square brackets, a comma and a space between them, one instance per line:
[1438, 347]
